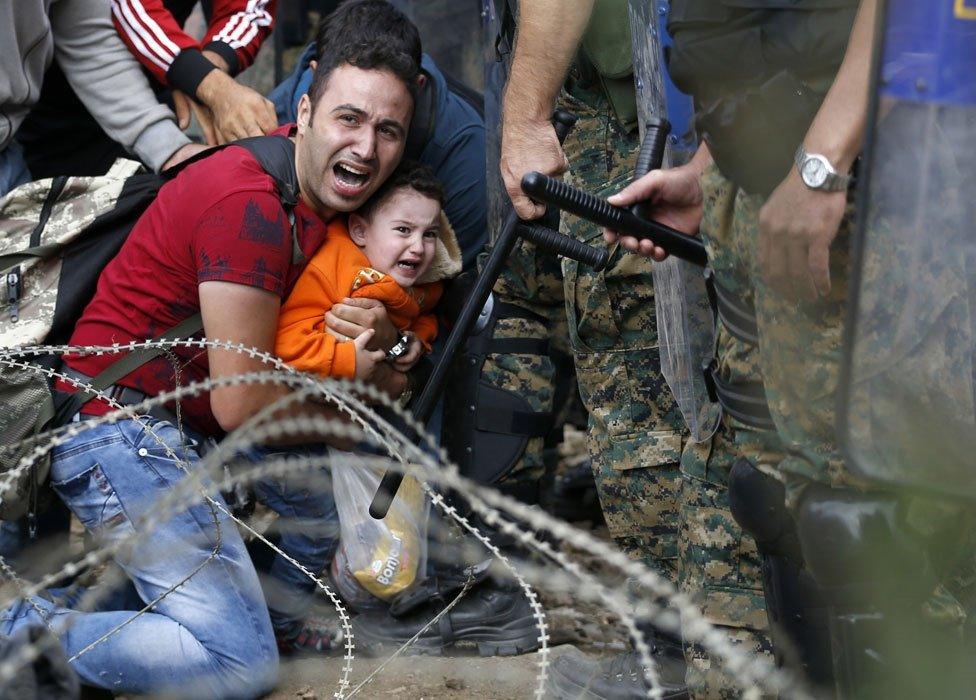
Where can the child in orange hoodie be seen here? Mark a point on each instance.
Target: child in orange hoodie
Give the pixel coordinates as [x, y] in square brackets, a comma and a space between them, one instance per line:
[395, 249]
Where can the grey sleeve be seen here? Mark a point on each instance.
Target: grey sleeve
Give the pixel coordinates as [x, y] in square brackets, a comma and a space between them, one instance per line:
[110, 82]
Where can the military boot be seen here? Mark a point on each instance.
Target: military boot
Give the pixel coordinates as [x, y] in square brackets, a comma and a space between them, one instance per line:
[571, 495]
[494, 617]
[574, 675]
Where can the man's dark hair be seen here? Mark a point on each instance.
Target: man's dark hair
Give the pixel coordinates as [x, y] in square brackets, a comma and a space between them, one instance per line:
[359, 45]
[367, 57]
[368, 21]
[409, 175]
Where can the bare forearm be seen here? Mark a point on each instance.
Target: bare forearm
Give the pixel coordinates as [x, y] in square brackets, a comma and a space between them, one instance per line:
[702, 158]
[303, 410]
[549, 33]
[838, 129]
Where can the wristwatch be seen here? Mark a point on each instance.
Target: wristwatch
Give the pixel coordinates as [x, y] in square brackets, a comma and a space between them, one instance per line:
[818, 174]
[400, 349]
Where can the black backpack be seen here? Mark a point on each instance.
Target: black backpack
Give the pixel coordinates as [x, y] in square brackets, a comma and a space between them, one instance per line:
[56, 237]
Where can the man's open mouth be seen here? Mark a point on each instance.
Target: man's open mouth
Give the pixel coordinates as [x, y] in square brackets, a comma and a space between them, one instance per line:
[351, 177]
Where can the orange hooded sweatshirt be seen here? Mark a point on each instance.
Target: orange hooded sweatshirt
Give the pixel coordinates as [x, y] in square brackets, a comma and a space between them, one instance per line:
[339, 269]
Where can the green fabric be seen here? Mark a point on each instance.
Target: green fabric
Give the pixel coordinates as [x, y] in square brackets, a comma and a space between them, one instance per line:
[606, 42]
[606, 48]
[134, 360]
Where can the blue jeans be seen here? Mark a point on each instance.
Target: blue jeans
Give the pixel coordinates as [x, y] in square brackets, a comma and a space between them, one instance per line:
[211, 636]
[308, 529]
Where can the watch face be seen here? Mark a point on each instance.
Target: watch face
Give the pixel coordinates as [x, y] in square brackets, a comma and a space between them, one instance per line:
[814, 172]
[400, 348]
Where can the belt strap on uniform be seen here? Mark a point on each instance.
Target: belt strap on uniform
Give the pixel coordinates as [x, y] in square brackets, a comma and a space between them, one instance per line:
[518, 346]
[484, 343]
[735, 313]
[744, 401]
[506, 310]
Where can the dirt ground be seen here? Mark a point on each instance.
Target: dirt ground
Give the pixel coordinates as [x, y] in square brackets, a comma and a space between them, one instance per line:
[499, 678]
[463, 674]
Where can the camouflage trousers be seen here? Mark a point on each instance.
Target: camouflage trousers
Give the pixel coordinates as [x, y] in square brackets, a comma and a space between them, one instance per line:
[798, 357]
[606, 320]
[720, 568]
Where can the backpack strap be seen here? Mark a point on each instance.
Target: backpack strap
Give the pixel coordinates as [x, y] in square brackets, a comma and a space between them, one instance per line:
[57, 187]
[124, 366]
[422, 123]
[276, 154]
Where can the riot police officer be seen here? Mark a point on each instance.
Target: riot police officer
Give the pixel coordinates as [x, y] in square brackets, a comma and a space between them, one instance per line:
[710, 542]
[852, 569]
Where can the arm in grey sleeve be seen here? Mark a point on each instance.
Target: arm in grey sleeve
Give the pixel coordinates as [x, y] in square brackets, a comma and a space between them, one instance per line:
[110, 82]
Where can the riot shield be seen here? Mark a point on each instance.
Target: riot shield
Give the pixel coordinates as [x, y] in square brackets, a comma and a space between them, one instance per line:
[684, 319]
[907, 407]
[497, 54]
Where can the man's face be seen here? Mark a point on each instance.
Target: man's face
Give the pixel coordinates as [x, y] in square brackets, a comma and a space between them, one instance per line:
[353, 140]
[400, 236]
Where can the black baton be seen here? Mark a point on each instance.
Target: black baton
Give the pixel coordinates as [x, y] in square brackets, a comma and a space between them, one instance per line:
[547, 190]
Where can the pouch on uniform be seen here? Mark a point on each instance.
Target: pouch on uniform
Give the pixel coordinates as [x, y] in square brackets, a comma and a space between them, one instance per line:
[384, 557]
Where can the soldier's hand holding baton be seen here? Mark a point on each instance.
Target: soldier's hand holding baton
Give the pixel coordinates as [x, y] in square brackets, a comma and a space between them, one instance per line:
[671, 197]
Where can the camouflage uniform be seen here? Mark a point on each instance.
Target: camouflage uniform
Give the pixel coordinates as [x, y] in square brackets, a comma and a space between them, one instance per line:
[634, 435]
[665, 507]
[799, 342]
[531, 280]
[798, 360]
[635, 427]
[719, 565]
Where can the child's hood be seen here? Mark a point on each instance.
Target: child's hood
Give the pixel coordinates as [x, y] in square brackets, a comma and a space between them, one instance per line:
[447, 255]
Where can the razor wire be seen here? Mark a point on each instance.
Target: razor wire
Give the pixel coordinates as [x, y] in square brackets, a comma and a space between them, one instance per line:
[343, 616]
[696, 626]
[269, 411]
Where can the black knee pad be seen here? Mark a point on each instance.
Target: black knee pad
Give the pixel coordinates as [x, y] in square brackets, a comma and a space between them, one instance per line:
[876, 572]
[758, 504]
[850, 539]
[794, 603]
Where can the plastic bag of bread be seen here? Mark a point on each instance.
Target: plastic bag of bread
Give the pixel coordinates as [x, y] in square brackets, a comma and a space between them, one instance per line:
[384, 557]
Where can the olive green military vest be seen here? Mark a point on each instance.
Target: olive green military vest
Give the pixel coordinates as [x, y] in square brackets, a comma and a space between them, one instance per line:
[606, 52]
[721, 46]
[604, 65]
[758, 70]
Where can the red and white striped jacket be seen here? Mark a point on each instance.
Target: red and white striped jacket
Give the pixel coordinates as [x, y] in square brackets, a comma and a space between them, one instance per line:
[153, 31]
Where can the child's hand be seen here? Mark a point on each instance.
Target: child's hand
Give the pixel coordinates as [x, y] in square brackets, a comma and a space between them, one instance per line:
[366, 360]
[413, 354]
